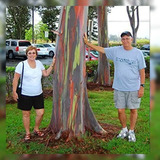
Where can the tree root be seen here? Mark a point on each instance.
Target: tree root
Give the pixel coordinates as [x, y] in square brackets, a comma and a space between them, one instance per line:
[49, 141]
[58, 135]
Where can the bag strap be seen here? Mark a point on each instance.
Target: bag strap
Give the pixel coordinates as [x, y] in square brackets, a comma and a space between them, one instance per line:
[22, 75]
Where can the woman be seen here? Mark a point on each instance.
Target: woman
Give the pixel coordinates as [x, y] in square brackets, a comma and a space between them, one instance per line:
[32, 94]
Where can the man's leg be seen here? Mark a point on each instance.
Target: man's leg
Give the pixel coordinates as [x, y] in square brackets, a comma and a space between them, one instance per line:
[133, 118]
[123, 120]
[120, 103]
[122, 117]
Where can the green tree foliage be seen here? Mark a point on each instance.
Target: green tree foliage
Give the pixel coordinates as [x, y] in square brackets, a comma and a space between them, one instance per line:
[50, 16]
[39, 32]
[17, 21]
[28, 34]
[114, 38]
[92, 12]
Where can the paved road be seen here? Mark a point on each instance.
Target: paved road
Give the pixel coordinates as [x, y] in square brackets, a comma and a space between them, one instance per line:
[14, 62]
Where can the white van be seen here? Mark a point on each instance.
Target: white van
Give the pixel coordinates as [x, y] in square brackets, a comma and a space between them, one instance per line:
[16, 48]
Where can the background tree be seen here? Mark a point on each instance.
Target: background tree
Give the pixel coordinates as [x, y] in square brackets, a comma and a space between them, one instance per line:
[115, 38]
[17, 20]
[71, 110]
[133, 13]
[39, 32]
[90, 2]
[28, 34]
[50, 17]
[103, 72]
[92, 15]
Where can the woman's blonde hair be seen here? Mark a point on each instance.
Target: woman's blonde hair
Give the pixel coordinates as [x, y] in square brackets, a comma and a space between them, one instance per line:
[31, 48]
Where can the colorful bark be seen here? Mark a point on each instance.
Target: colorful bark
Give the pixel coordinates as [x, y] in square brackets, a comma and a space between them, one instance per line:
[89, 2]
[103, 65]
[71, 110]
[76, 3]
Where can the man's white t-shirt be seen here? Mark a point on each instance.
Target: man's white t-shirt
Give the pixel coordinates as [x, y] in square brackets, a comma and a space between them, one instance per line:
[31, 85]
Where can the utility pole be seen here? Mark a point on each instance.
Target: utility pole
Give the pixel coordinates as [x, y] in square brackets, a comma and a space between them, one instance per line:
[32, 24]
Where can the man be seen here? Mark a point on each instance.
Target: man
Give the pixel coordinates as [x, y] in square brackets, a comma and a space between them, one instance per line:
[129, 79]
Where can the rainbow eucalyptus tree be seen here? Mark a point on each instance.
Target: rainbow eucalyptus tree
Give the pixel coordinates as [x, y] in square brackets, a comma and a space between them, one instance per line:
[71, 110]
[90, 2]
[103, 72]
[76, 3]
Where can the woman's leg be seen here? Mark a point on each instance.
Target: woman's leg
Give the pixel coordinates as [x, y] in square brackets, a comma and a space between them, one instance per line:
[26, 121]
[39, 116]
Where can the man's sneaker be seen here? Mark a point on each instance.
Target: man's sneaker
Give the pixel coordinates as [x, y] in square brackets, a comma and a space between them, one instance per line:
[123, 134]
[131, 136]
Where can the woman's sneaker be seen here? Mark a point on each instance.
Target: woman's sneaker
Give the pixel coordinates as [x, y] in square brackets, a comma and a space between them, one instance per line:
[123, 133]
[131, 136]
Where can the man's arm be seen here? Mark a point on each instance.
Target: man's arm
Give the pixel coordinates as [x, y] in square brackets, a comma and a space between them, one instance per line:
[142, 79]
[97, 48]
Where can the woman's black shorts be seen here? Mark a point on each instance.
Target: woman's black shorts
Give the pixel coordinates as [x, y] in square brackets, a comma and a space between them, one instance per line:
[25, 103]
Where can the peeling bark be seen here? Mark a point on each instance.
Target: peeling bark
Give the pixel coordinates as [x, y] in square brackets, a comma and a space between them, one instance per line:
[89, 2]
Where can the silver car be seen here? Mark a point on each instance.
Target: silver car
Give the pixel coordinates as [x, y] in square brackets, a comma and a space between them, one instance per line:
[51, 48]
[146, 53]
[42, 51]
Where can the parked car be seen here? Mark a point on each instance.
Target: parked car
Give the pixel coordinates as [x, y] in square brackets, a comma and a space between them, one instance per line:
[16, 47]
[42, 50]
[51, 48]
[53, 44]
[93, 55]
[145, 47]
[146, 53]
[146, 50]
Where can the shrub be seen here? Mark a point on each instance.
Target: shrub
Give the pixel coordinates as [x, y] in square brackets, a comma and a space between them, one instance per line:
[2, 90]
[91, 69]
[147, 69]
[157, 74]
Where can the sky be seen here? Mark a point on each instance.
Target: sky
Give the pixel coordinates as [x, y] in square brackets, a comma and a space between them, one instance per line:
[155, 24]
[118, 21]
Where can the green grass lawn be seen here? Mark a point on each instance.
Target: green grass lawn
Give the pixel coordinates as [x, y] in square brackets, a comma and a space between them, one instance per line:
[103, 107]
[3, 138]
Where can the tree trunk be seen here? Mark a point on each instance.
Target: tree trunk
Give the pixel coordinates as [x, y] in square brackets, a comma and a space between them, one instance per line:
[76, 3]
[71, 109]
[90, 2]
[131, 14]
[103, 73]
